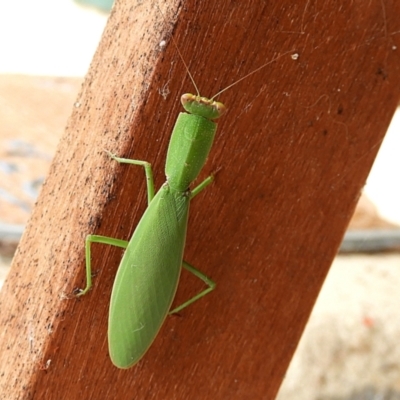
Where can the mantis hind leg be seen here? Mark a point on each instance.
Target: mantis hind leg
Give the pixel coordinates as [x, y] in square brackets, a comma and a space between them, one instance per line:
[111, 241]
[97, 239]
[211, 286]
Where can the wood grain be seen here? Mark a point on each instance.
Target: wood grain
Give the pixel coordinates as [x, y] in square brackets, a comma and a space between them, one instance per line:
[294, 149]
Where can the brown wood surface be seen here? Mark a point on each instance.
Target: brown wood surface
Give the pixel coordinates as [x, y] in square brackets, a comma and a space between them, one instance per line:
[294, 149]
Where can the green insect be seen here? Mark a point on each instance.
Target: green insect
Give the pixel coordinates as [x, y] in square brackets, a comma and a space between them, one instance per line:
[148, 275]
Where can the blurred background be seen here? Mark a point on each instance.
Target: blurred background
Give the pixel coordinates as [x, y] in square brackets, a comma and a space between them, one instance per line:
[349, 349]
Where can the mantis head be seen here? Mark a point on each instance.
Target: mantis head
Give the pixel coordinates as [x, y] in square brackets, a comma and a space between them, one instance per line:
[202, 106]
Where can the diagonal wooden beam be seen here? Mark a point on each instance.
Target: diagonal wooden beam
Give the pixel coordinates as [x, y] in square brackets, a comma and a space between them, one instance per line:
[294, 149]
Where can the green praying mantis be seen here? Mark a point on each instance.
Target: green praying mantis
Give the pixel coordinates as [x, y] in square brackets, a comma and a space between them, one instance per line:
[148, 275]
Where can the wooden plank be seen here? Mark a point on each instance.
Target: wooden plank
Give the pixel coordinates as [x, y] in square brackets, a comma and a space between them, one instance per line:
[295, 149]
